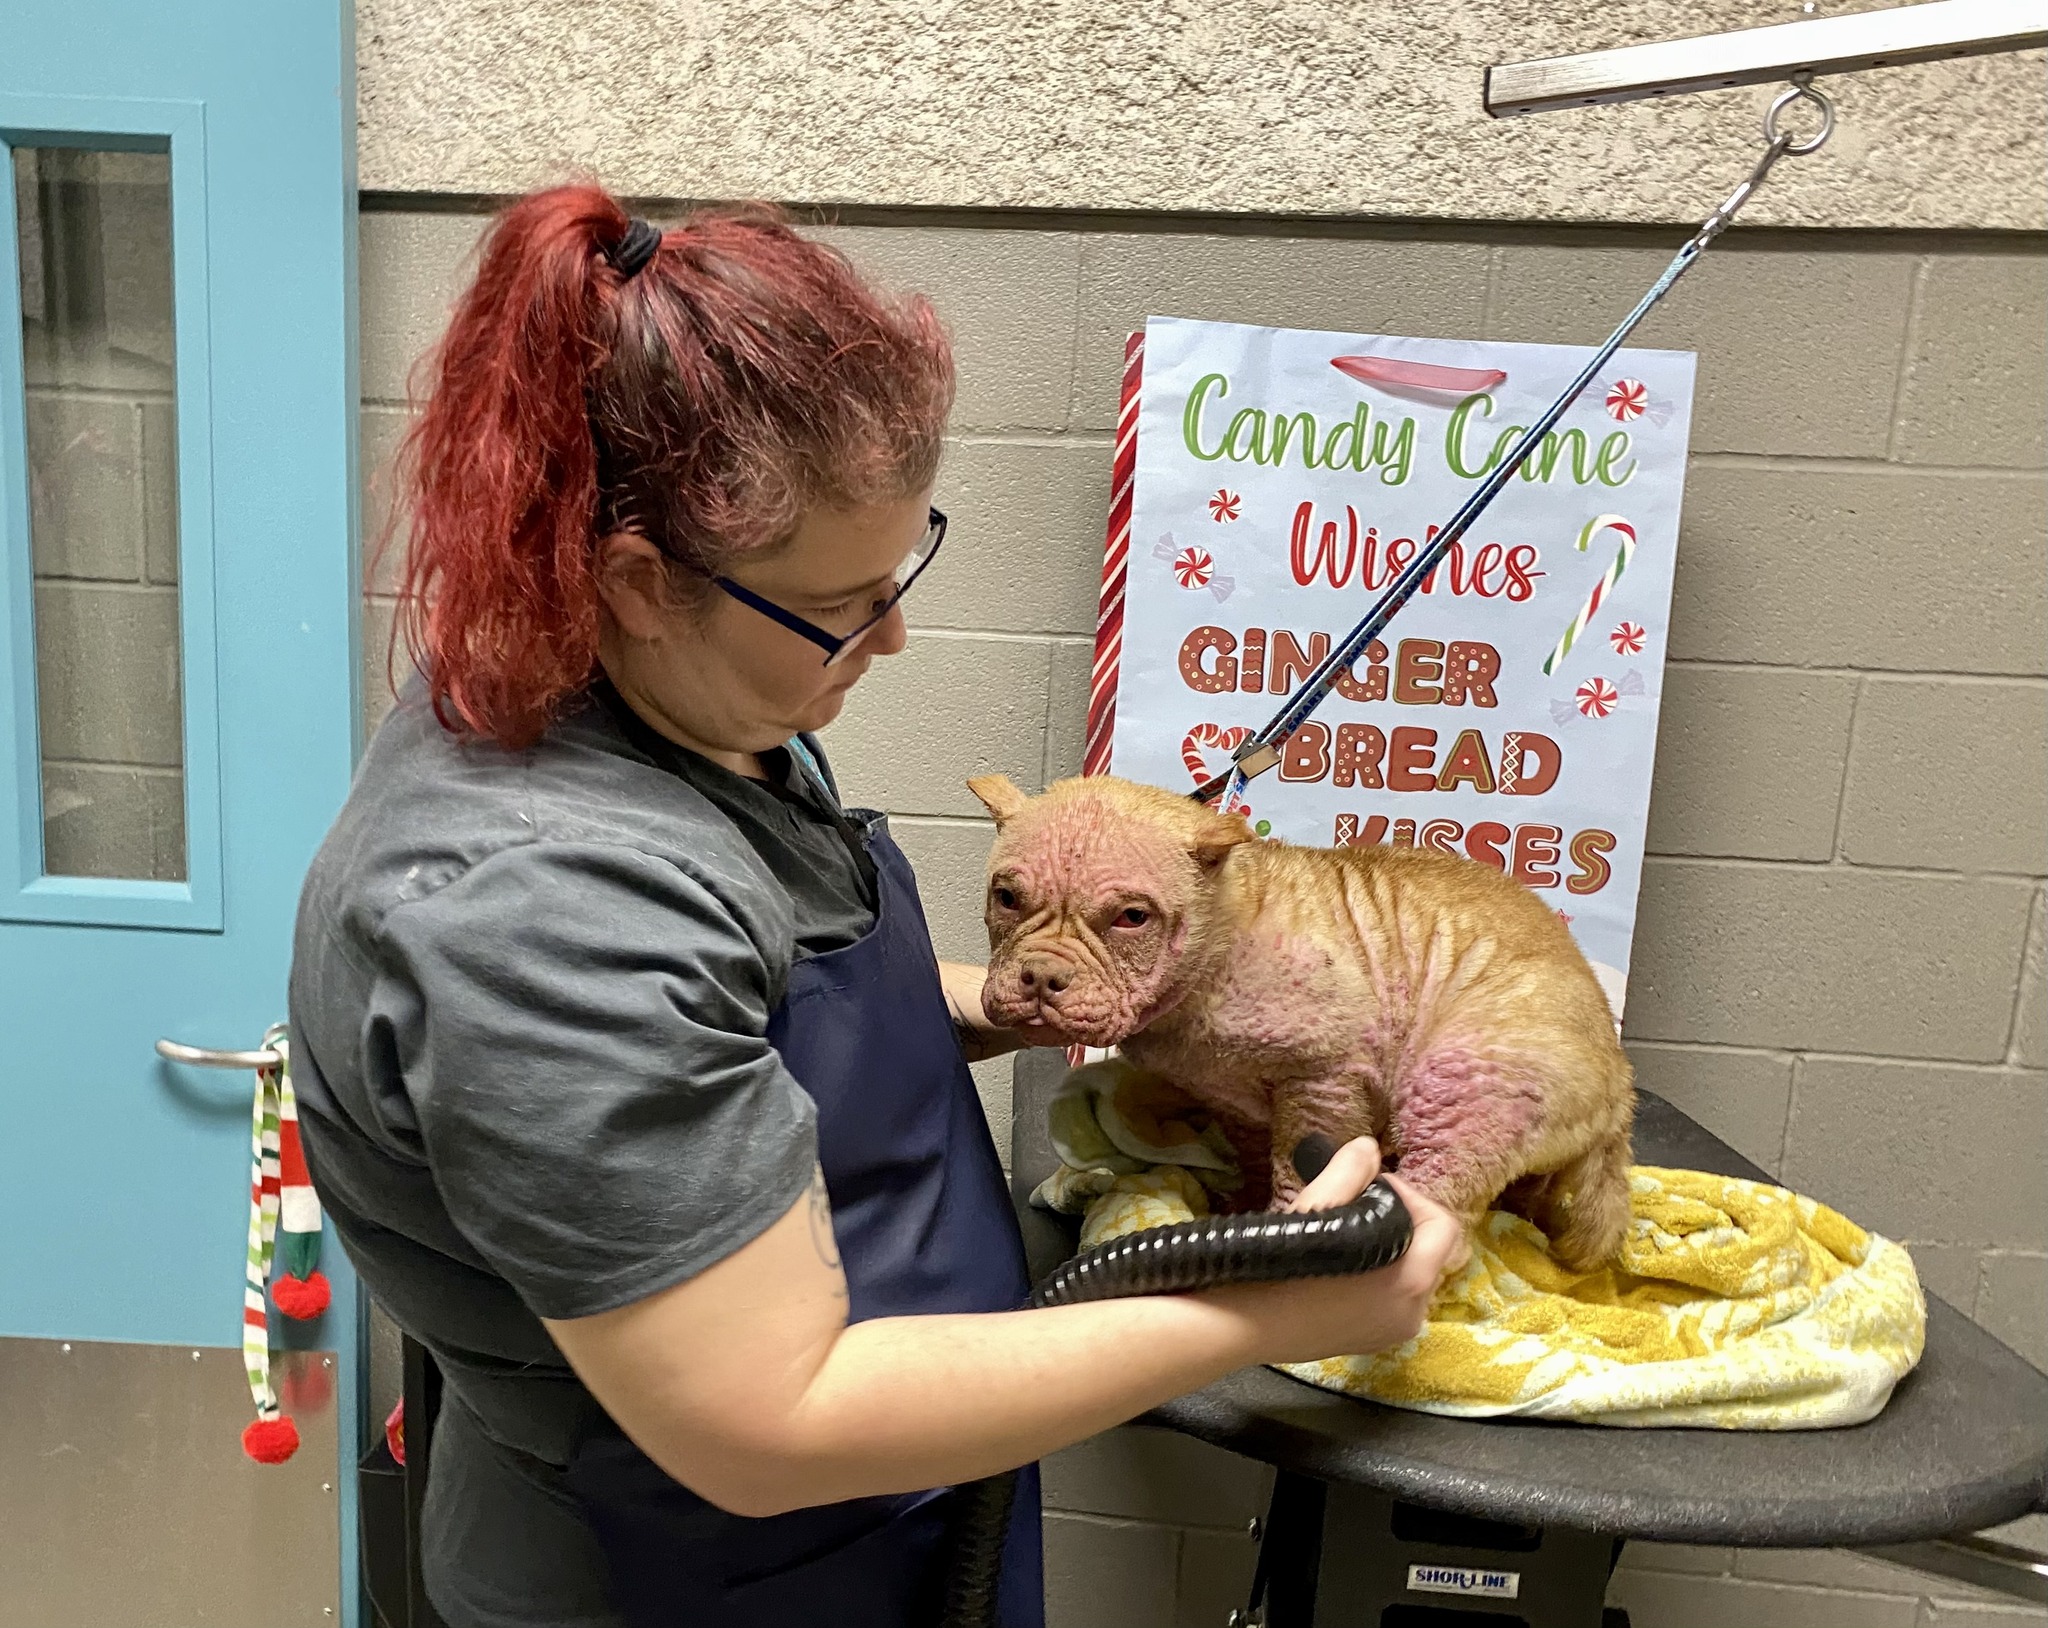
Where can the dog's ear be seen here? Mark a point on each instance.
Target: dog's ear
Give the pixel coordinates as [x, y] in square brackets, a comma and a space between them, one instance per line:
[1213, 843]
[999, 795]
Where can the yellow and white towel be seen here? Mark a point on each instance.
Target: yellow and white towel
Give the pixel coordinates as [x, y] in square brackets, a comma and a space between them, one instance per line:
[1736, 1305]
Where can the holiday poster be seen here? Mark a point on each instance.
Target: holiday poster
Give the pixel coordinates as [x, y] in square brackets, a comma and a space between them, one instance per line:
[1283, 478]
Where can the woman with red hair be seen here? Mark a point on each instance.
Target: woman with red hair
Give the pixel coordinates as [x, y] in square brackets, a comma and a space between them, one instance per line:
[624, 1065]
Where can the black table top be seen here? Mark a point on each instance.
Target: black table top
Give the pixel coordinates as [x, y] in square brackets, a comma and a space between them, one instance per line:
[1963, 1443]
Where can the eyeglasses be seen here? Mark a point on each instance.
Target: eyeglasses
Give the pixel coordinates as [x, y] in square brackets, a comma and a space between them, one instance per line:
[838, 646]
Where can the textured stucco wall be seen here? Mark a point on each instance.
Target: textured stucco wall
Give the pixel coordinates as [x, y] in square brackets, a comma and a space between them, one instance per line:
[1322, 107]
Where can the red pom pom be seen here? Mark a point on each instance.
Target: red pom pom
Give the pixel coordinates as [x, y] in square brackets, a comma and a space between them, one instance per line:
[270, 1441]
[301, 1297]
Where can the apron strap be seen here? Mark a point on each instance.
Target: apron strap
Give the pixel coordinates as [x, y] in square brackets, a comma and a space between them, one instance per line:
[852, 834]
[807, 760]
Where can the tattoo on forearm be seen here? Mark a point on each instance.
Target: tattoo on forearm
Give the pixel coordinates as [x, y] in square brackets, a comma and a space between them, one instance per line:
[822, 1240]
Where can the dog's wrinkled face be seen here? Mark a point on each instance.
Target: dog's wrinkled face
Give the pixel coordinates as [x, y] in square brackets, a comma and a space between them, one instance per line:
[1096, 892]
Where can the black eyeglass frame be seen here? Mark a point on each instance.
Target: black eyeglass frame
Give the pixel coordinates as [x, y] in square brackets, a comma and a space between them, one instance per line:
[837, 646]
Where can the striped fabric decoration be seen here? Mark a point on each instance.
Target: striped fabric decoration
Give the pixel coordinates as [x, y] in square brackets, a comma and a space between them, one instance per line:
[1109, 618]
[284, 1231]
[298, 1207]
[264, 1186]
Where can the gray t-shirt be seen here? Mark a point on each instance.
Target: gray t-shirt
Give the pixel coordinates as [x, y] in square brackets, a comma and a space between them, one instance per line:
[529, 997]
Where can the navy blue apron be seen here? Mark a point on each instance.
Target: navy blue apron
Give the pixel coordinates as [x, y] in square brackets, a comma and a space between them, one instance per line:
[923, 1220]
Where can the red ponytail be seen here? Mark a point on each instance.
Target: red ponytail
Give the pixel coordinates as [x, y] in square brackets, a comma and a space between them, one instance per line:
[742, 376]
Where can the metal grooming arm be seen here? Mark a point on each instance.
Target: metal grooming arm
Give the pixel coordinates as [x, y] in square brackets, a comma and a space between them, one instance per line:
[1755, 56]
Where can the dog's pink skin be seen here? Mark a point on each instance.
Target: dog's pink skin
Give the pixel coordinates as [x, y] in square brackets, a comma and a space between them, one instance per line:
[1463, 1121]
[1455, 1118]
[1419, 999]
[1075, 876]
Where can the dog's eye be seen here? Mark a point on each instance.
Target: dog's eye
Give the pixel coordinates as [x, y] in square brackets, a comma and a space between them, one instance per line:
[1005, 898]
[1133, 917]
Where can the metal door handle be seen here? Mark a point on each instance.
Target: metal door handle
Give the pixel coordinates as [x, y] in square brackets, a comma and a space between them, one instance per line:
[206, 1057]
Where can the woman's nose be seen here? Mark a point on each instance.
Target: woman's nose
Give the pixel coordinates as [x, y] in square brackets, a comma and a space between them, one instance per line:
[888, 636]
[885, 637]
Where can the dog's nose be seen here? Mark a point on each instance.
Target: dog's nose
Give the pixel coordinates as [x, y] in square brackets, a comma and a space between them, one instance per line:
[1046, 977]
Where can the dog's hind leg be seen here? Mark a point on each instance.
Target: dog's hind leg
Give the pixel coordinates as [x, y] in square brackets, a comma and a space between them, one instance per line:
[1462, 1119]
[1583, 1208]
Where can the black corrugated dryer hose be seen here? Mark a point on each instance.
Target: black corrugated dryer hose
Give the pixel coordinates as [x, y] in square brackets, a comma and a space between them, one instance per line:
[1257, 1248]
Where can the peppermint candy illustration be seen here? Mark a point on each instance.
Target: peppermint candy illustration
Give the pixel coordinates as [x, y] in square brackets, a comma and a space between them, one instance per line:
[1205, 738]
[1626, 399]
[1193, 567]
[1596, 697]
[1627, 639]
[1223, 506]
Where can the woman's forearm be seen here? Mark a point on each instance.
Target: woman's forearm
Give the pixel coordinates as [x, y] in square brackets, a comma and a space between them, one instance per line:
[903, 1403]
[748, 1385]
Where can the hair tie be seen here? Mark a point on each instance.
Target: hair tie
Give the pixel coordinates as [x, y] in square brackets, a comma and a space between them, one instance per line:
[635, 248]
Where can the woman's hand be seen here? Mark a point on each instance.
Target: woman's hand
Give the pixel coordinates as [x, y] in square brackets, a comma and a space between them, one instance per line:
[979, 1038]
[1311, 1318]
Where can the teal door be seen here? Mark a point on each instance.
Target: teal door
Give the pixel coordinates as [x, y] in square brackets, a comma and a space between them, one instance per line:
[177, 592]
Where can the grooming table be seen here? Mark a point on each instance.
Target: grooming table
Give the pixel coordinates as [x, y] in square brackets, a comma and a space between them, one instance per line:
[1365, 1492]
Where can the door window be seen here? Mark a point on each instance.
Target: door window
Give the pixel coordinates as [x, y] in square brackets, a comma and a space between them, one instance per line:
[110, 766]
[99, 365]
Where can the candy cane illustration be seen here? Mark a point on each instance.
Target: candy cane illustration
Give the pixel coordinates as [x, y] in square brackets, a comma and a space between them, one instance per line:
[1212, 735]
[1602, 588]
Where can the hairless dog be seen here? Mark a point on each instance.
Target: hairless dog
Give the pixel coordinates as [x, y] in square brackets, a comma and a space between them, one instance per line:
[1413, 996]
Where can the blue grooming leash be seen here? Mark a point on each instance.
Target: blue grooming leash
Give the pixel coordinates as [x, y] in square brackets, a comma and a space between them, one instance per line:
[1262, 750]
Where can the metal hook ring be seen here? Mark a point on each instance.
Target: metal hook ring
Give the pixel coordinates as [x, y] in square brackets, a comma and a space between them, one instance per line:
[1801, 91]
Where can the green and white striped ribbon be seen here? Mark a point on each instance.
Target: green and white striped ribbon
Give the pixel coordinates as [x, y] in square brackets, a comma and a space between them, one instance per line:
[272, 1095]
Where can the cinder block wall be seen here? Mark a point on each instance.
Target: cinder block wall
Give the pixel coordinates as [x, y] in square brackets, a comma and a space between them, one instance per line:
[1839, 953]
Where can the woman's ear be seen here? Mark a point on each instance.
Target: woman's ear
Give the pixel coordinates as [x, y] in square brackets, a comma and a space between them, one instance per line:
[633, 582]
